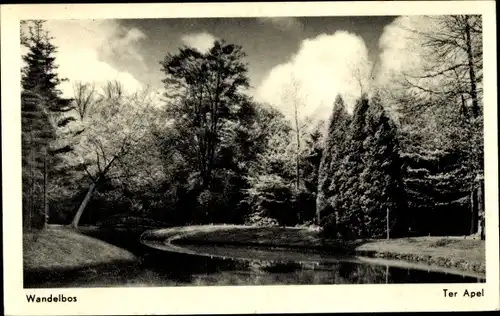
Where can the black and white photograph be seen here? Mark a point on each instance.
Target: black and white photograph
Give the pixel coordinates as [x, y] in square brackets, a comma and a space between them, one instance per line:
[239, 151]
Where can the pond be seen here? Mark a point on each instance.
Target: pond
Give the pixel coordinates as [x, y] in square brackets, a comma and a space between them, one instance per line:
[217, 265]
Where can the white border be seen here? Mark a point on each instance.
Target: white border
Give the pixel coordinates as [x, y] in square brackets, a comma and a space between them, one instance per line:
[241, 299]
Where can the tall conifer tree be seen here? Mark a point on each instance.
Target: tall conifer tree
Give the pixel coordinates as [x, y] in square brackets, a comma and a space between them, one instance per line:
[349, 222]
[380, 183]
[41, 106]
[330, 166]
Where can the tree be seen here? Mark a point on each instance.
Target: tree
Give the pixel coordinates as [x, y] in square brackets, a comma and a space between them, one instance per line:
[312, 157]
[456, 40]
[37, 133]
[432, 192]
[84, 97]
[114, 129]
[380, 183]
[271, 140]
[445, 78]
[208, 111]
[42, 106]
[310, 165]
[436, 172]
[294, 99]
[332, 156]
[345, 185]
[271, 195]
[206, 90]
[271, 200]
[39, 72]
[361, 180]
[276, 154]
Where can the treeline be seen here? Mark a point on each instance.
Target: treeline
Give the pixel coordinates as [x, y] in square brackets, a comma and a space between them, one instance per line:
[361, 193]
[402, 163]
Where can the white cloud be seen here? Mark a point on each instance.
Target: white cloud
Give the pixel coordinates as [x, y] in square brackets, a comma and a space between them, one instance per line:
[85, 45]
[402, 48]
[201, 41]
[322, 68]
[123, 44]
[283, 23]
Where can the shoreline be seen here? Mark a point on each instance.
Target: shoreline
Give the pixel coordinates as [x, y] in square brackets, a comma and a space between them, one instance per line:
[62, 253]
[462, 255]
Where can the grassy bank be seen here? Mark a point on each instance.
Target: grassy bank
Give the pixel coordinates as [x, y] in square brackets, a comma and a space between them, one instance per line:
[65, 249]
[450, 252]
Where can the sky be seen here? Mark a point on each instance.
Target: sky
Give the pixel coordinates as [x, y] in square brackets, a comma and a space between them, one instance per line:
[307, 58]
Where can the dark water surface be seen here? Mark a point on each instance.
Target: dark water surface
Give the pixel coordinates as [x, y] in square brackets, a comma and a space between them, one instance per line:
[248, 266]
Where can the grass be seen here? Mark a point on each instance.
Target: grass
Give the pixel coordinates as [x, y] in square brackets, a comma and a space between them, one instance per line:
[62, 248]
[462, 254]
[450, 252]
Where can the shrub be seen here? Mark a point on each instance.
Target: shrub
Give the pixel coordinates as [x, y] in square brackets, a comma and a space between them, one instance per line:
[256, 219]
[271, 197]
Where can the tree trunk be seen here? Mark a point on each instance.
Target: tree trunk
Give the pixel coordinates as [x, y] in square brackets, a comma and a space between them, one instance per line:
[387, 274]
[480, 210]
[31, 209]
[297, 156]
[297, 162]
[297, 172]
[473, 215]
[84, 203]
[45, 198]
[322, 177]
[318, 208]
[90, 191]
[472, 72]
[387, 223]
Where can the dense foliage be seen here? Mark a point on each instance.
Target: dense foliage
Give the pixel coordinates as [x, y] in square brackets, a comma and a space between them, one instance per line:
[406, 160]
[41, 110]
[361, 173]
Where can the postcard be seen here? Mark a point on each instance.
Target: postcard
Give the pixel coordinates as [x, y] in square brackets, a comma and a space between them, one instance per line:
[249, 157]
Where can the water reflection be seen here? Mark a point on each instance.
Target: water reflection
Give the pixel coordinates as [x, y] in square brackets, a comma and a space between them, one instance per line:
[279, 273]
[268, 273]
[248, 267]
[257, 266]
